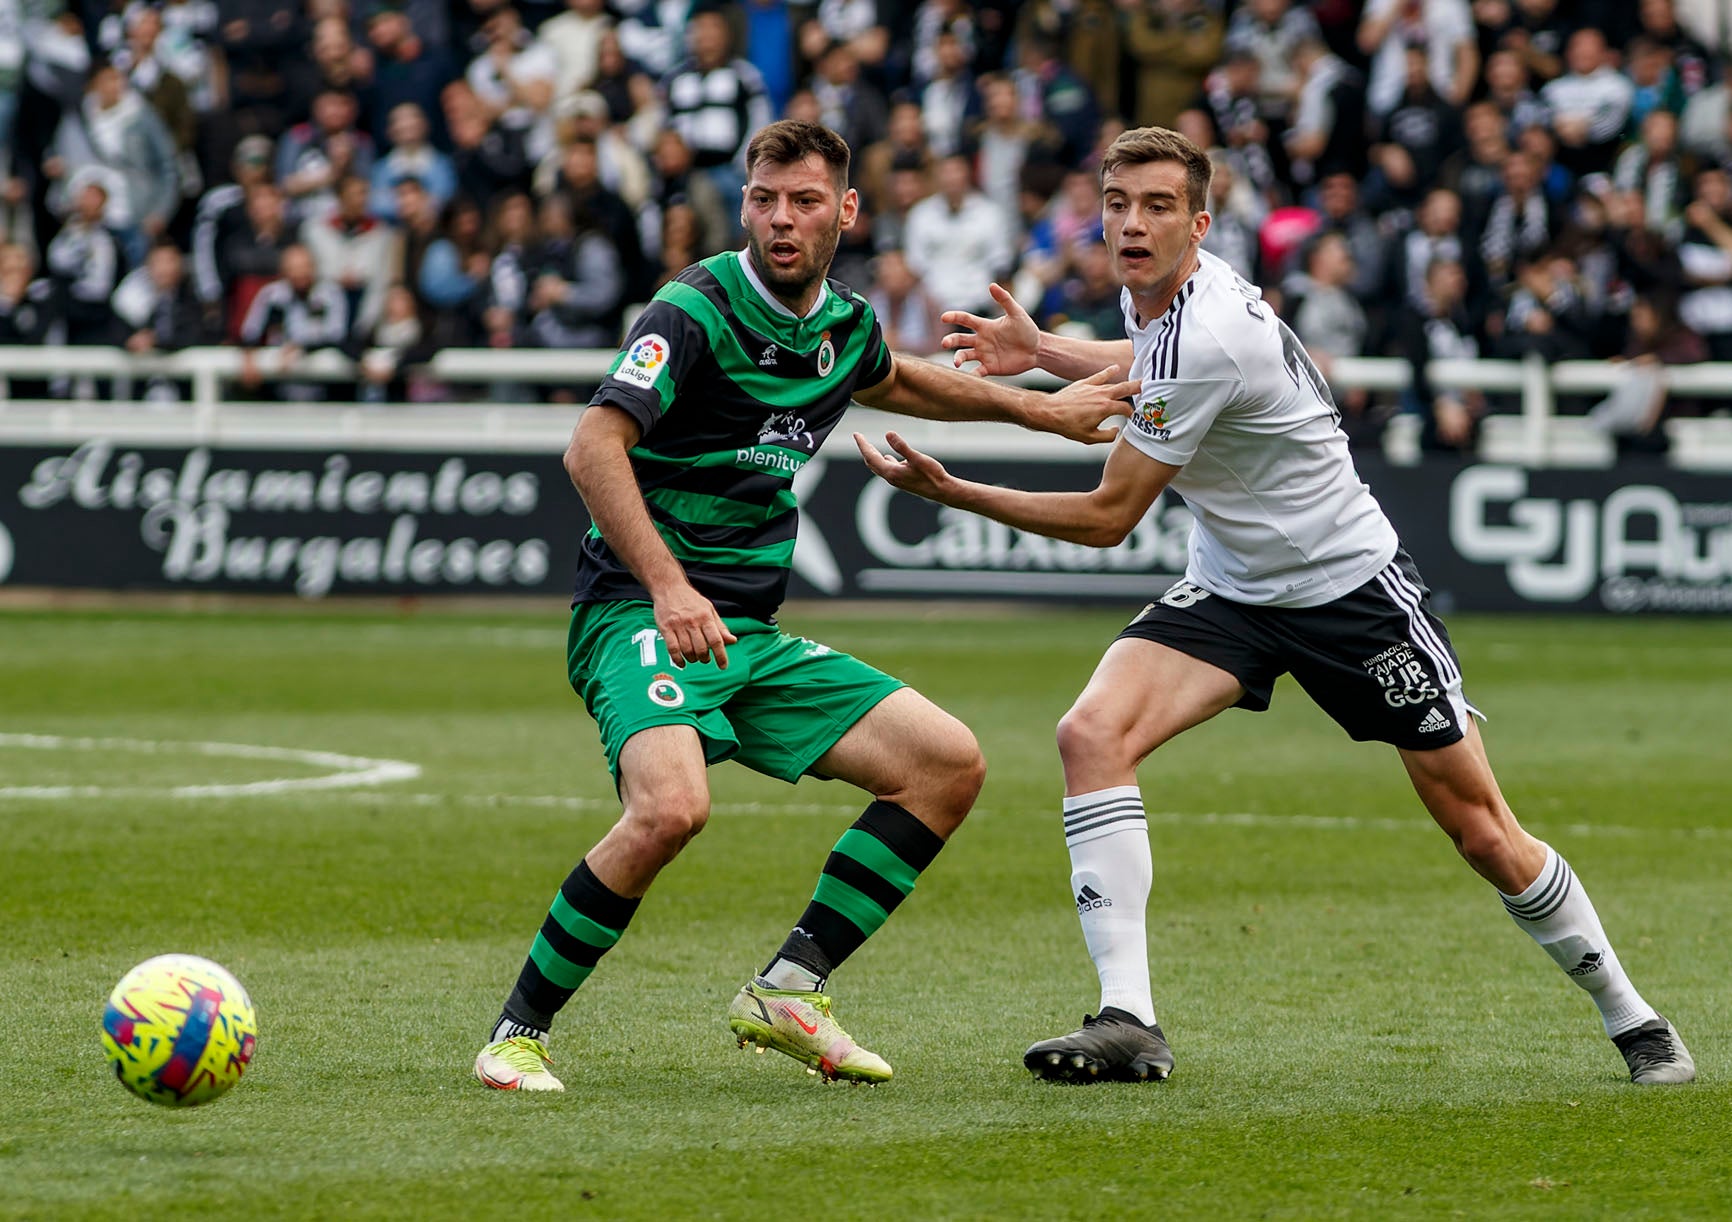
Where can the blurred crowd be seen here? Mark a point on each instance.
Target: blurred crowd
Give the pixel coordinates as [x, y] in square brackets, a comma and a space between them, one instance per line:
[1426, 178]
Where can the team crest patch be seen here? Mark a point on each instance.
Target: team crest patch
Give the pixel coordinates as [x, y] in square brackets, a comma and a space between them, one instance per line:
[826, 356]
[665, 692]
[643, 360]
[1151, 417]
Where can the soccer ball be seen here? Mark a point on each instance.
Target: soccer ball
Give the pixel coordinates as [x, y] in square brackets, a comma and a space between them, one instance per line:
[179, 1030]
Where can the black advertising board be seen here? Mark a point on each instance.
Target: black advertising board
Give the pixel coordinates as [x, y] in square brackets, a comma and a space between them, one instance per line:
[101, 514]
[117, 516]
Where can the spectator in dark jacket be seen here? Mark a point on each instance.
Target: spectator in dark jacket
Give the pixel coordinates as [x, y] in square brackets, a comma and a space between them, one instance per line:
[84, 261]
[488, 159]
[1444, 329]
[252, 252]
[156, 305]
[1411, 143]
[158, 311]
[409, 69]
[579, 284]
[221, 210]
[265, 45]
[314, 156]
[296, 313]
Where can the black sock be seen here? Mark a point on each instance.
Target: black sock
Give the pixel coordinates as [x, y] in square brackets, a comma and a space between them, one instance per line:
[871, 870]
[586, 919]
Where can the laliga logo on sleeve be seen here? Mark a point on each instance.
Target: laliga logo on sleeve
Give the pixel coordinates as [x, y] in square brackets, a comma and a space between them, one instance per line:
[643, 361]
[665, 692]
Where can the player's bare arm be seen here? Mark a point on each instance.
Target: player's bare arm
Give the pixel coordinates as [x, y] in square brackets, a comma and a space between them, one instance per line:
[600, 469]
[1014, 344]
[919, 388]
[1130, 482]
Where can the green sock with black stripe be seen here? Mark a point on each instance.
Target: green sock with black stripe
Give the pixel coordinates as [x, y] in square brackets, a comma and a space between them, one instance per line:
[871, 870]
[586, 919]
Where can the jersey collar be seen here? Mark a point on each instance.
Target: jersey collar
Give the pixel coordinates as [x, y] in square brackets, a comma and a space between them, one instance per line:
[775, 302]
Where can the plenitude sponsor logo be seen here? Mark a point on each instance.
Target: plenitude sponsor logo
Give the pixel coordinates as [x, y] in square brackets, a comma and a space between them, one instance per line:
[189, 508]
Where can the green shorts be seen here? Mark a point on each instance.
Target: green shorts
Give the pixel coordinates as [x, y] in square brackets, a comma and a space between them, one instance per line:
[782, 702]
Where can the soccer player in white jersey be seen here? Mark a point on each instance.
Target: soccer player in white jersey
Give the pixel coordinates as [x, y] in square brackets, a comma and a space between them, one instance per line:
[1292, 568]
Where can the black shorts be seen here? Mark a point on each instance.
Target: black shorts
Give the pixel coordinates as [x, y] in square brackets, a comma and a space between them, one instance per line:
[1376, 660]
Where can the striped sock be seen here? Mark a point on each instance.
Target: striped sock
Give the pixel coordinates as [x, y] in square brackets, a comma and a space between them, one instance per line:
[870, 871]
[1112, 870]
[586, 919]
[1556, 912]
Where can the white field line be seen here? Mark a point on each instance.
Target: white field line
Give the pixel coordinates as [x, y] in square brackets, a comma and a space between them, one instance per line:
[348, 771]
[359, 772]
[1334, 823]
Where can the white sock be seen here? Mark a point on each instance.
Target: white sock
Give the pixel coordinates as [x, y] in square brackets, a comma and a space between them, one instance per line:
[1111, 872]
[507, 1027]
[1557, 913]
[787, 975]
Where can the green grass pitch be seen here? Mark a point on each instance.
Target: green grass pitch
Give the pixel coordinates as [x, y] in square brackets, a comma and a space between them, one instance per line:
[1360, 1030]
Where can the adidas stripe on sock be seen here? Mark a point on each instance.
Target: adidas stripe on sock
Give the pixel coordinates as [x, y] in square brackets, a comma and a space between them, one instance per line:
[1107, 833]
[1556, 912]
[582, 925]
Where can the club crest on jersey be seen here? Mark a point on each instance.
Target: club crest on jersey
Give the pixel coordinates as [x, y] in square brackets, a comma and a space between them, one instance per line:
[1151, 417]
[826, 356]
[665, 692]
[643, 360]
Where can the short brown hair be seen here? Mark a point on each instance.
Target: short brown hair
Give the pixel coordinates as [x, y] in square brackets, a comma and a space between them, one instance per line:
[1142, 145]
[791, 141]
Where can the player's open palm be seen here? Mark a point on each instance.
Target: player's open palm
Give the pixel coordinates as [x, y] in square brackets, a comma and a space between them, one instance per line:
[909, 469]
[1002, 345]
[691, 628]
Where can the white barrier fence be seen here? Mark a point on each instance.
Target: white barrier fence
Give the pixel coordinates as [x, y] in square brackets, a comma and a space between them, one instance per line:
[1535, 435]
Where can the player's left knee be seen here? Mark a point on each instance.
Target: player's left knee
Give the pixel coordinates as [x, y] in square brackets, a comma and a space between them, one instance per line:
[953, 768]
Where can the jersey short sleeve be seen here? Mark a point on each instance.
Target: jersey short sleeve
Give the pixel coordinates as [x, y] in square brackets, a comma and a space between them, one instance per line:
[875, 363]
[663, 345]
[1169, 418]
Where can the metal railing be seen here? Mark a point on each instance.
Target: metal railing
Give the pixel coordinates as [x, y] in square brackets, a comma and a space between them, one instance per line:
[1536, 434]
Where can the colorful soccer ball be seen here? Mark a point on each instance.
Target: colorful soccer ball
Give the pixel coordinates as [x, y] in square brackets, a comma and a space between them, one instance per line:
[179, 1030]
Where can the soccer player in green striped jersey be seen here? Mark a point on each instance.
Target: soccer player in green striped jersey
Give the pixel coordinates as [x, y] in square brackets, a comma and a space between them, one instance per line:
[726, 386]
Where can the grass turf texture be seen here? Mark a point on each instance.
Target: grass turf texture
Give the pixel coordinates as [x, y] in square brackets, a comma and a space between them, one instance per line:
[1360, 1030]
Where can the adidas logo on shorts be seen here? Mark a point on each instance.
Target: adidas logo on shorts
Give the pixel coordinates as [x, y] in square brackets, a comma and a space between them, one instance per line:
[1434, 720]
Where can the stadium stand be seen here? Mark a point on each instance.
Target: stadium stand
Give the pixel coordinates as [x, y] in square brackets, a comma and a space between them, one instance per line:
[1421, 180]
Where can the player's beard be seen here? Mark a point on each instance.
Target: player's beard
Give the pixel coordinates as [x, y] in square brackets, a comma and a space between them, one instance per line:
[795, 282]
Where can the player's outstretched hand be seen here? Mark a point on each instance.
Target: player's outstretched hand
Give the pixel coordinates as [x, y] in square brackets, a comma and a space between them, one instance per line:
[1076, 412]
[912, 471]
[1002, 345]
[691, 628]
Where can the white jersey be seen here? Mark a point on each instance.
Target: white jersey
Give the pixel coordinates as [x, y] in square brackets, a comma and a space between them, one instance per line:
[1229, 395]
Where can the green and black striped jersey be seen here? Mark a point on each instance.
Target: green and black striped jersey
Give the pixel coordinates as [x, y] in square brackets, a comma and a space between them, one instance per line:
[734, 394]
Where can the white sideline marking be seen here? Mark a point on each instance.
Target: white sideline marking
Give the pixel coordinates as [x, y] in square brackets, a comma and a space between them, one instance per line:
[368, 772]
[1337, 823]
[350, 770]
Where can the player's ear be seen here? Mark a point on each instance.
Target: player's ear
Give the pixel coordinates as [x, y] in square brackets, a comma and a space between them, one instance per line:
[1200, 225]
[850, 207]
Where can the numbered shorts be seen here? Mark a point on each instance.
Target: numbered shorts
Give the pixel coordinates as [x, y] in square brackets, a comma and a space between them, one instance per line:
[782, 702]
[1377, 660]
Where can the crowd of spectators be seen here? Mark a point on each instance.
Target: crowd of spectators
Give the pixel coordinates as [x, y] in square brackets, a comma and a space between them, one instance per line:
[1426, 178]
